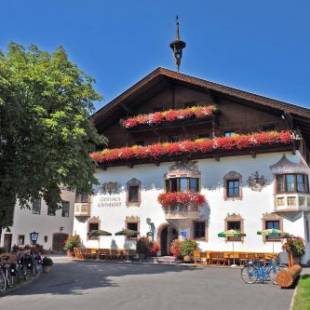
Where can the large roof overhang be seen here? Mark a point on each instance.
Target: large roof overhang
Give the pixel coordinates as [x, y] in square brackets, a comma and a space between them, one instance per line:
[154, 82]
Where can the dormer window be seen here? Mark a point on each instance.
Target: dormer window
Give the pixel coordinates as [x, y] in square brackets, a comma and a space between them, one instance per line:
[292, 183]
[229, 133]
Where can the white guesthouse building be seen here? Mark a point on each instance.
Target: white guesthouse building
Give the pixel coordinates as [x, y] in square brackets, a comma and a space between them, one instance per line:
[53, 228]
[188, 158]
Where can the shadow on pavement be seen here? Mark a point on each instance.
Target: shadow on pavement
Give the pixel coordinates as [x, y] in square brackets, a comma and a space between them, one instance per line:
[76, 277]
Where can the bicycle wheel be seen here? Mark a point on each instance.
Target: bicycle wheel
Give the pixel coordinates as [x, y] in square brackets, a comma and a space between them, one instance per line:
[2, 282]
[273, 273]
[248, 274]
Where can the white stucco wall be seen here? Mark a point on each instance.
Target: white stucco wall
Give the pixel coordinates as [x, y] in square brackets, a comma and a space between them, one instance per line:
[25, 222]
[251, 208]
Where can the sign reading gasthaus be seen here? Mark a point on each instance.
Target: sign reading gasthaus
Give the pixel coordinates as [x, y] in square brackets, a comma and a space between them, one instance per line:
[109, 201]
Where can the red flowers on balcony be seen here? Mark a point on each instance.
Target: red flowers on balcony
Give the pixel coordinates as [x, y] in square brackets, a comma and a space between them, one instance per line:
[169, 116]
[181, 198]
[199, 146]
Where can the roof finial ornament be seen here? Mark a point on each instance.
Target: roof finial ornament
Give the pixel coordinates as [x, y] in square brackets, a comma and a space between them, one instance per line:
[177, 46]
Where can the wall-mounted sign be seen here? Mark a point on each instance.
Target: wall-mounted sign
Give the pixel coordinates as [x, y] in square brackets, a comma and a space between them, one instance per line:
[109, 201]
[184, 234]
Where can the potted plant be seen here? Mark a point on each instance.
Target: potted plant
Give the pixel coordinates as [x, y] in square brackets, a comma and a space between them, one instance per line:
[175, 248]
[154, 250]
[295, 246]
[187, 249]
[47, 264]
[143, 247]
[72, 242]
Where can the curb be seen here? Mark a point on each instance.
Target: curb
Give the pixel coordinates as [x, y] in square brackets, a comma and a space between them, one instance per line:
[20, 285]
[293, 298]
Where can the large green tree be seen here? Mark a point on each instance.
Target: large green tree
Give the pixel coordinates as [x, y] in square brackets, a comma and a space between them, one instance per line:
[45, 131]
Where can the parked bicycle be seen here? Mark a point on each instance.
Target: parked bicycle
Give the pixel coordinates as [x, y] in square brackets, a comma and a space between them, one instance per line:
[17, 268]
[260, 271]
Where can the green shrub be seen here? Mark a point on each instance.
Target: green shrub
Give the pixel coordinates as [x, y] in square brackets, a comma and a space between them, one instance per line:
[47, 261]
[144, 246]
[188, 247]
[296, 246]
[73, 241]
[175, 248]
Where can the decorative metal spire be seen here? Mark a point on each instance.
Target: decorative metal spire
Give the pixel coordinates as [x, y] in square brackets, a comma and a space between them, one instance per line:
[177, 46]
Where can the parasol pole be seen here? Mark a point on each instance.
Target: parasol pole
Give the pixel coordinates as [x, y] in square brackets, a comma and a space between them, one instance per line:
[233, 249]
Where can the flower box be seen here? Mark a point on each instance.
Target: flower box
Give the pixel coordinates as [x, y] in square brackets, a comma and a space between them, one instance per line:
[198, 112]
[190, 147]
[181, 198]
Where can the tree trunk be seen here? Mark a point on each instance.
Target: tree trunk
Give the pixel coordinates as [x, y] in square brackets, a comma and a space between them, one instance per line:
[287, 277]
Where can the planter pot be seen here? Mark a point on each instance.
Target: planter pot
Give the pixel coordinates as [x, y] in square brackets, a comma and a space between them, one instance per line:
[187, 259]
[47, 269]
[70, 253]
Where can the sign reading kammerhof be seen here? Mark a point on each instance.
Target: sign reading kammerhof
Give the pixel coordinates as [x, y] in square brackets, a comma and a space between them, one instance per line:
[109, 195]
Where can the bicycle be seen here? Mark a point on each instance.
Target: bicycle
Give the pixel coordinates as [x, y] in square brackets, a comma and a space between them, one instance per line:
[259, 271]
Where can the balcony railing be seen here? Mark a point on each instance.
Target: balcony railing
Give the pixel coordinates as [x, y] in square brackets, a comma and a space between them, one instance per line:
[82, 209]
[294, 202]
[182, 212]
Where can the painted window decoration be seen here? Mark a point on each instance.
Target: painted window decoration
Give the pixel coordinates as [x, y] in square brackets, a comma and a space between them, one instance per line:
[20, 240]
[292, 183]
[232, 186]
[36, 206]
[199, 146]
[65, 208]
[199, 112]
[133, 192]
[199, 230]
[234, 222]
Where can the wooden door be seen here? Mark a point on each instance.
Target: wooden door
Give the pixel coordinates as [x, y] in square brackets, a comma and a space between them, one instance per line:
[7, 242]
[59, 242]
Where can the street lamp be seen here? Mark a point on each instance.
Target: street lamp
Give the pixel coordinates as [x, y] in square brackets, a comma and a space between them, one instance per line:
[34, 237]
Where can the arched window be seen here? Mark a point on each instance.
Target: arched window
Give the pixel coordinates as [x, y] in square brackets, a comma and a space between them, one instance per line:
[133, 192]
[232, 185]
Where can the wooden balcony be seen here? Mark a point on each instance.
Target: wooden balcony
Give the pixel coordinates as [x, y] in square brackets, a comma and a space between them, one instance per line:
[82, 209]
[294, 202]
[182, 212]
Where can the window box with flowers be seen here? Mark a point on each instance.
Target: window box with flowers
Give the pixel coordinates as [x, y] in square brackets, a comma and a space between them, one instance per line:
[197, 148]
[181, 205]
[172, 115]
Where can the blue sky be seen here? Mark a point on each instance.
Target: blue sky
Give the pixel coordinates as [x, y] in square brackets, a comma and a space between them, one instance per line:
[260, 46]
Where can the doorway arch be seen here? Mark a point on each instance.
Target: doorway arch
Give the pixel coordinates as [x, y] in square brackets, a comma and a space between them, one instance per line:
[59, 242]
[166, 233]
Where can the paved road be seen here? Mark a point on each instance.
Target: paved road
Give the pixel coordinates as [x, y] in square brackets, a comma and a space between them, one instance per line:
[109, 286]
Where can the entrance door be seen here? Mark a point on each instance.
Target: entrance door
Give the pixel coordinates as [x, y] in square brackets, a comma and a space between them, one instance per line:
[59, 242]
[167, 235]
[7, 242]
[164, 241]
